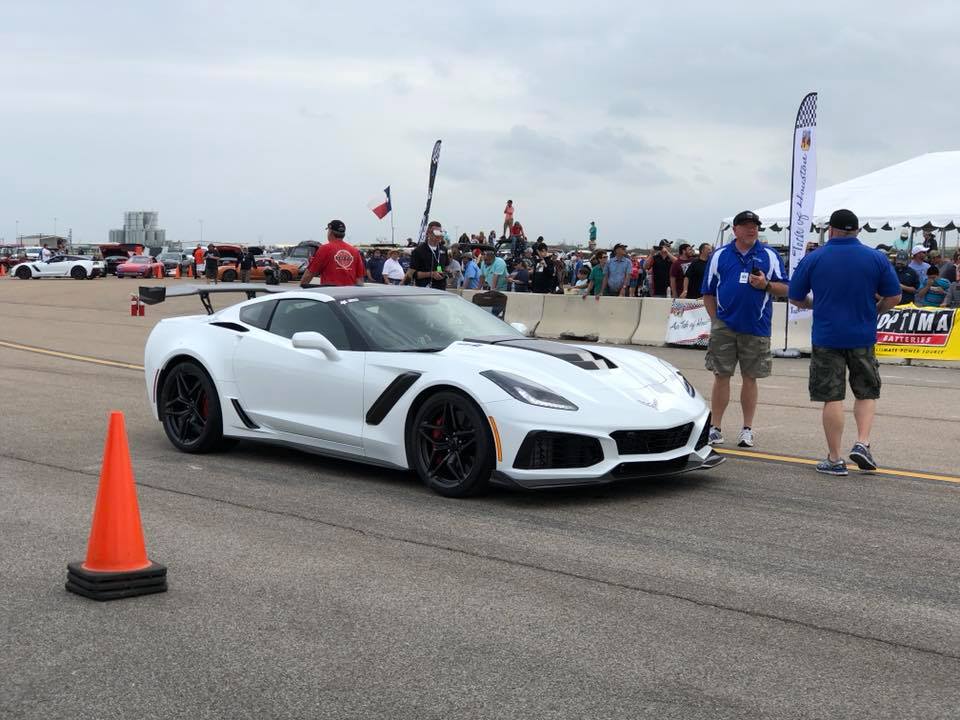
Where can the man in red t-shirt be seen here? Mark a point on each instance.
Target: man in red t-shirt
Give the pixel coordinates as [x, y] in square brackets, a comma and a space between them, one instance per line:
[337, 262]
[679, 268]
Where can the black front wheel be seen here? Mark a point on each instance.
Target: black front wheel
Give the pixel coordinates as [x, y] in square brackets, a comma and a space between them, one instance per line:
[450, 447]
[190, 409]
[78, 273]
[23, 273]
[285, 276]
[229, 275]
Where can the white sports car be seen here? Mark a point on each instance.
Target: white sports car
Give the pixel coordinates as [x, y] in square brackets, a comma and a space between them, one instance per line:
[418, 379]
[78, 267]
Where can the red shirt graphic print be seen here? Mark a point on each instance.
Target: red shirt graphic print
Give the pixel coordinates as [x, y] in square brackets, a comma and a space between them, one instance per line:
[337, 263]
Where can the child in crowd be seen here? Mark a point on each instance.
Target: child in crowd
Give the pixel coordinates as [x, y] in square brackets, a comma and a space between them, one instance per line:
[583, 279]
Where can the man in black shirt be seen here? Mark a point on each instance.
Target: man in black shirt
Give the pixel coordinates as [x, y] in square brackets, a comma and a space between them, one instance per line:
[246, 264]
[693, 279]
[658, 266]
[429, 259]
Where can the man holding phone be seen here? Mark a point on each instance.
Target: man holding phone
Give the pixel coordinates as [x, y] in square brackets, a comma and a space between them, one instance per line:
[737, 287]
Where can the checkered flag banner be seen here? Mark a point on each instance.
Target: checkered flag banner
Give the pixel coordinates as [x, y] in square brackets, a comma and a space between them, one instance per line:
[807, 114]
[434, 162]
[803, 184]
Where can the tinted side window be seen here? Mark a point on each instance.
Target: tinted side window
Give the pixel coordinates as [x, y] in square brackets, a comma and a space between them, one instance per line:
[293, 316]
[258, 314]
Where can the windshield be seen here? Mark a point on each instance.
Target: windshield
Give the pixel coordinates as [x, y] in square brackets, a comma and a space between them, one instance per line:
[139, 260]
[423, 323]
[302, 252]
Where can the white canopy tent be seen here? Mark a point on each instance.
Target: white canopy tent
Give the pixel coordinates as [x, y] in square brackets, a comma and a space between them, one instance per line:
[920, 193]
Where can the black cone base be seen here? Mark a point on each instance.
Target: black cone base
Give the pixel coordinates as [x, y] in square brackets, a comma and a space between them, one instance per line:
[116, 585]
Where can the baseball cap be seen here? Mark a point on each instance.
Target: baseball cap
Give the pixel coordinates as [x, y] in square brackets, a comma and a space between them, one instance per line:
[337, 226]
[904, 233]
[902, 255]
[844, 220]
[746, 216]
[665, 242]
[918, 249]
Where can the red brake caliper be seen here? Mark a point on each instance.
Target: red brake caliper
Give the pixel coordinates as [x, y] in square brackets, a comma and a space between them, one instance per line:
[437, 435]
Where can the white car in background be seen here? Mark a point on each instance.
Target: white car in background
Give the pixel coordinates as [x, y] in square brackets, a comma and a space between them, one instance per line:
[78, 267]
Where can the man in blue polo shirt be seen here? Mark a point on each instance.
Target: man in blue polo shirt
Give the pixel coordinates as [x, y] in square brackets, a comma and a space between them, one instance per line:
[616, 273]
[737, 287]
[846, 277]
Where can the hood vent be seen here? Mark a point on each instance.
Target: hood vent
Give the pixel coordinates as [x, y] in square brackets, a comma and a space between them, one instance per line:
[586, 359]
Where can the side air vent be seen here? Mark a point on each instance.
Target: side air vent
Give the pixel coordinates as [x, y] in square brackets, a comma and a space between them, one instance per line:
[244, 418]
[230, 326]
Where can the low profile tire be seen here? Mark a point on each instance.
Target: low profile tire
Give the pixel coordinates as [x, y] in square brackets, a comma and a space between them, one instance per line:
[78, 273]
[285, 276]
[449, 445]
[190, 409]
[229, 276]
[24, 273]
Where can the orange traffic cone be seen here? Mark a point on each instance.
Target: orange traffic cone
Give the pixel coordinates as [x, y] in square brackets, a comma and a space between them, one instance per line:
[158, 271]
[189, 271]
[3, 269]
[117, 565]
[176, 272]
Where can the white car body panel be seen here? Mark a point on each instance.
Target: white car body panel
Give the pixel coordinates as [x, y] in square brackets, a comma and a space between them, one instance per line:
[301, 398]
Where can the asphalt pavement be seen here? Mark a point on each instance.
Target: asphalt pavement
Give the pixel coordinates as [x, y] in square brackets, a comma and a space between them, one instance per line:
[316, 588]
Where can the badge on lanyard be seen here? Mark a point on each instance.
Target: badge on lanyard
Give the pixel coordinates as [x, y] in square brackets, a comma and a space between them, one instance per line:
[744, 277]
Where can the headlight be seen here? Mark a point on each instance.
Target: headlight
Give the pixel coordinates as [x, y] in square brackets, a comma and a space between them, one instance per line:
[528, 392]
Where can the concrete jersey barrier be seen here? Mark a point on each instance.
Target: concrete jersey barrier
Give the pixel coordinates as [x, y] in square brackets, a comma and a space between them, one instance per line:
[526, 308]
[652, 327]
[611, 320]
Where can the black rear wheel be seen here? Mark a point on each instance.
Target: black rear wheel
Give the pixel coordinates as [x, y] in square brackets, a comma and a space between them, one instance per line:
[190, 409]
[229, 275]
[449, 445]
[78, 273]
[285, 276]
[23, 273]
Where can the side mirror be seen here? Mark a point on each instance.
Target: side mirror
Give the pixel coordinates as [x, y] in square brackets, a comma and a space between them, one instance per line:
[315, 341]
[520, 327]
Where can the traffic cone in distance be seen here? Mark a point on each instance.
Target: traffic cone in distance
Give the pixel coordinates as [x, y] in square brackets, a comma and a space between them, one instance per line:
[158, 271]
[176, 273]
[117, 565]
[3, 269]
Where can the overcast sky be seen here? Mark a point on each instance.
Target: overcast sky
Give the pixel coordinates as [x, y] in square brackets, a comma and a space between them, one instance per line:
[266, 120]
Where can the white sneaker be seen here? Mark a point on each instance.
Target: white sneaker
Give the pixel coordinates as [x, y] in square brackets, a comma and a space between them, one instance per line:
[715, 437]
[745, 438]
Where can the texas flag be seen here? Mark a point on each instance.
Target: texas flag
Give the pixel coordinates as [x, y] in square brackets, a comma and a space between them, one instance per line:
[381, 204]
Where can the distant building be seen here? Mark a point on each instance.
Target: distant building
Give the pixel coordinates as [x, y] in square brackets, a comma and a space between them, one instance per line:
[140, 228]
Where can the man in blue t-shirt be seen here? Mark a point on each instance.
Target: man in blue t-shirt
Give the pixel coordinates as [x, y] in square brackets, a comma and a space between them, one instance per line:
[737, 287]
[846, 277]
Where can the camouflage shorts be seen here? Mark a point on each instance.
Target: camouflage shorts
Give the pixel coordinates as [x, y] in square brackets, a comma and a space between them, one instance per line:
[828, 374]
[726, 347]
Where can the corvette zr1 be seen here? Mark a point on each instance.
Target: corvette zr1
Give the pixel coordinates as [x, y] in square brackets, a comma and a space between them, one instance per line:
[418, 379]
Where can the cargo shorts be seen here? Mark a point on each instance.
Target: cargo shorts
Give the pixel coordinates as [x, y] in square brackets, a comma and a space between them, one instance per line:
[828, 374]
[727, 347]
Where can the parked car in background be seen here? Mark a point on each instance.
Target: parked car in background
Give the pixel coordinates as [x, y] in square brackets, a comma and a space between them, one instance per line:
[285, 271]
[139, 266]
[11, 255]
[111, 261]
[170, 262]
[63, 266]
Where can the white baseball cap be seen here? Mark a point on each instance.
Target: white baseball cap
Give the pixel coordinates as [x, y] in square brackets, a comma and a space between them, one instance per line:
[918, 249]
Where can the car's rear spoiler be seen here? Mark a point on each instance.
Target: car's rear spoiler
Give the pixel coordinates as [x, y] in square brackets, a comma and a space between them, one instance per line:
[158, 293]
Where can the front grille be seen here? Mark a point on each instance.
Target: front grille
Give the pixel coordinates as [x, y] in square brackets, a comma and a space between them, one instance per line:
[704, 438]
[624, 471]
[648, 442]
[543, 450]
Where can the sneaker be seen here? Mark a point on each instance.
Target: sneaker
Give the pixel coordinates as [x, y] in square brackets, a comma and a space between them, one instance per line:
[832, 467]
[746, 438]
[715, 437]
[862, 457]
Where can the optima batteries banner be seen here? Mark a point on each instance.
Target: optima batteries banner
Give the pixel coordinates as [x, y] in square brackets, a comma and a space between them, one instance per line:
[908, 331]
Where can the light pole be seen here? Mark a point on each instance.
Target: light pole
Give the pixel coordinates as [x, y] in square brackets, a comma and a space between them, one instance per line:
[201, 231]
[54, 227]
[18, 233]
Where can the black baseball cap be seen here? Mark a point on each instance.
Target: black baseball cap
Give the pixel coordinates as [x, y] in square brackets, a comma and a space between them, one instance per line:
[844, 220]
[337, 226]
[746, 216]
[665, 242]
